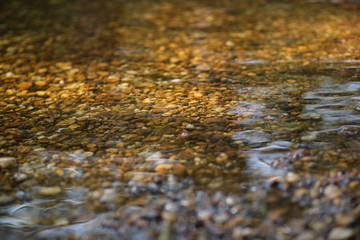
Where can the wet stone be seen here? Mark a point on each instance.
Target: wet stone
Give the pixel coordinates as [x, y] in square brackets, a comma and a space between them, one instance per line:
[19, 177]
[340, 233]
[7, 162]
[332, 191]
[292, 177]
[171, 168]
[306, 235]
[253, 136]
[4, 199]
[49, 191]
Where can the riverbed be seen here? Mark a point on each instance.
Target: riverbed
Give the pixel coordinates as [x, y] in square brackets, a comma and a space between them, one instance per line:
[179, 119]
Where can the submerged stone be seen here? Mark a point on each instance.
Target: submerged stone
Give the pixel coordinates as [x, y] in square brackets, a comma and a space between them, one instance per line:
[253, 136]
[49, 191]
[7, 162]
[341, 233]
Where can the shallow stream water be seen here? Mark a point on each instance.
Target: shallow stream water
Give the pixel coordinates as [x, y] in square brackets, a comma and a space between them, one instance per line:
[179, 120]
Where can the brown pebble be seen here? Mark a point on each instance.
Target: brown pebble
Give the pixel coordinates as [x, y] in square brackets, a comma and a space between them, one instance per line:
[66, 122]
[222, 158]
[7, 162]
[24, 85]
[158, 110]
[174, 168]
[153, 138]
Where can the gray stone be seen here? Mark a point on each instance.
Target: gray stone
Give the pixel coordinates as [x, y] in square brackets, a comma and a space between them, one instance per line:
[252, 136]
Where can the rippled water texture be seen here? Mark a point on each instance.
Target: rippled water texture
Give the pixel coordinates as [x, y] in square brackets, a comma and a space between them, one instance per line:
[179, 119]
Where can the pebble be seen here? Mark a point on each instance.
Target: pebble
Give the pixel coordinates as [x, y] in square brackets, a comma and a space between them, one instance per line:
[300, 192]
[174, 168]
[109, 195]
[308, 138]
[332, 191]
[205, 214]
[221, 218]
[61, 222]
[7, 162]
[49, 191]
[24, 85]
[292, 177]
[341, 233]
[4, 199]
[240, 233]
[19, 177]
[223, 157]
[253, 136]
[66, 122]
[306, 235]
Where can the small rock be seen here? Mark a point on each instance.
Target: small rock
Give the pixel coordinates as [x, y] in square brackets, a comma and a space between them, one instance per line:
[229, 43]
[61, 222]
[310, 115]
[205, 214]
[147, 100]
[198, 94]
[252, 136]
[19, 177]
[156, 110]
[223, 157]
[308, 138]
[292, 177]
[221, 218]
[341, 233]
[300, 192]
[306, 235]
[332, 191]
[240, 233]
[152, 138]
[174, 168]
[66, 122]
[317, 226]
[109, 195]
[24, 85]
[4, 199]
[169, 215]
[49, 191]
[7, 162]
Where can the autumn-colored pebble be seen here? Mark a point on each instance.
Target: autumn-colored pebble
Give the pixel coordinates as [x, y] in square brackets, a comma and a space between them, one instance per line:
[171, 168]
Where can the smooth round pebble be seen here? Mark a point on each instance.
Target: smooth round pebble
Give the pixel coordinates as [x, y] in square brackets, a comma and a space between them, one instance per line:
[292, 177]
[332, 191]
[341, 233]
[49, 191]
[7, 162]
